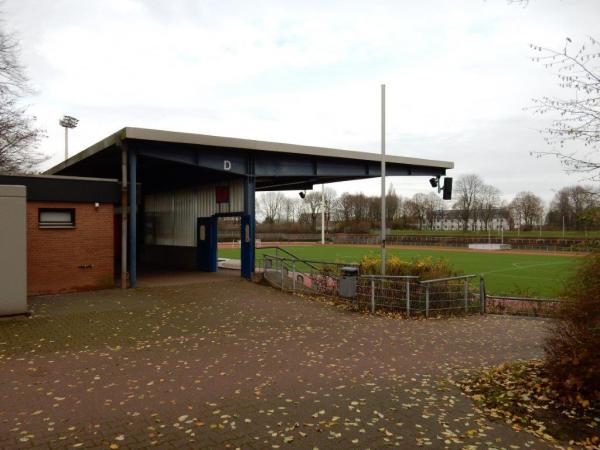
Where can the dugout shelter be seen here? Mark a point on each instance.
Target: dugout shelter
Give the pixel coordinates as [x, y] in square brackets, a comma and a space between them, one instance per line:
[174, 187]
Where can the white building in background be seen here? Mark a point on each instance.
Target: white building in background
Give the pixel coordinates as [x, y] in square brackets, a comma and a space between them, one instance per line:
[453, 220]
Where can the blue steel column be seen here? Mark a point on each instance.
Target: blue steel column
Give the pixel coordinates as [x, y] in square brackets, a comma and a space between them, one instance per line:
[249, 207]
[132, 218]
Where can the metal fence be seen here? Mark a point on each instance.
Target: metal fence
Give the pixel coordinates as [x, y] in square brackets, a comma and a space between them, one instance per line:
[302, 276]
[411, 296]
[407, 295]
[522, 306]
[583, 244]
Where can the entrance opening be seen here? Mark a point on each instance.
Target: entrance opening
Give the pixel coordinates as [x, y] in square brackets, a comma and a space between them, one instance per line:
[207, 243]
[229, 240]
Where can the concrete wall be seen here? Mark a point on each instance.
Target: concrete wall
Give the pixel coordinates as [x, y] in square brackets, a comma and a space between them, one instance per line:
[70, 259]
[13, 244]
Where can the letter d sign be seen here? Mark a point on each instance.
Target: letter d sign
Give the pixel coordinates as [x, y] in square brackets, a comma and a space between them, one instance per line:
[227, 165]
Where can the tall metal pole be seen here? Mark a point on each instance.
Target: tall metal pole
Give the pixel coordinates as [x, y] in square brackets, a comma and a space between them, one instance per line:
[323, 214]
[132, 165]
[123, 217]
[66, 143]
[383, 179]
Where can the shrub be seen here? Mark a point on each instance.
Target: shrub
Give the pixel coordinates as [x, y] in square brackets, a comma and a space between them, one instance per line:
[425, 268]
[572, 349]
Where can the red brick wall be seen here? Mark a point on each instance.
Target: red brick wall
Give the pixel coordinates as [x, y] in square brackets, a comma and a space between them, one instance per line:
[54, 255]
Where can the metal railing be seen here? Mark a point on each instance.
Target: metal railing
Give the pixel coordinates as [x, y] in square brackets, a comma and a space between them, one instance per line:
[522, 306]
[288, 255]
[453, 294]
[407, 295]
[389, 291]
[302, 276]
[411, 296]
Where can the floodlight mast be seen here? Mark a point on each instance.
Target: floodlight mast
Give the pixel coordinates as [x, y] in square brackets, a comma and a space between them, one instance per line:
[67, 122]
[323, 214]
[383, 227]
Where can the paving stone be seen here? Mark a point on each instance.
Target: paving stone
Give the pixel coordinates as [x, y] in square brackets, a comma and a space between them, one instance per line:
[233, 364]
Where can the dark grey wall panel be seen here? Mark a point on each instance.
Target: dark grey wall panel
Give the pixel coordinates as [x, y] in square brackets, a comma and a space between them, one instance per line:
[55, 189]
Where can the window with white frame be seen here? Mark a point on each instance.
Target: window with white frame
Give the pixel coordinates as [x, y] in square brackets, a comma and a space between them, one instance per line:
[56, 217]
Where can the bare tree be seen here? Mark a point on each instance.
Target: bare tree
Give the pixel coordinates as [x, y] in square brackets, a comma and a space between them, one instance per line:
[488, 203]
[330, 203]
[433, 204]
[312, 204]
[354, 207]
[19, 137]
[574, 133]
[417, 208]
[374, 209]
[270, 205]
[344, 213]
[528, 208]
[467, 190]
[290, 209]
[573, 205]
[360, 207]
[393, 204]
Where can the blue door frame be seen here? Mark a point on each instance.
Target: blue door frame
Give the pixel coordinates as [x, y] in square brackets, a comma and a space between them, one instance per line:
[207, 247]
[247, 246]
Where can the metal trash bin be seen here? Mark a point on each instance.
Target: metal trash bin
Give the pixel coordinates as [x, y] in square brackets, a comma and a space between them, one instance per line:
[347, 282]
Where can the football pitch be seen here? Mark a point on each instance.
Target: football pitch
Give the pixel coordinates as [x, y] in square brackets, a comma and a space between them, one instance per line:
[505, 273]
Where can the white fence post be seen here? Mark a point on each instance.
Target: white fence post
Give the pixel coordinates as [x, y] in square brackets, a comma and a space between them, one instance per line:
[281, 270]
[408, 297]
[372, 295]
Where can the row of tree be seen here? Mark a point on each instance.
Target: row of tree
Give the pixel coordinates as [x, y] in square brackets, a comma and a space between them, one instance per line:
[476, 205]
[577, 207]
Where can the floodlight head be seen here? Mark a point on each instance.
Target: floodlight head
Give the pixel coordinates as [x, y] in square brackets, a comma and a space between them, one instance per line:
[434, 182]
[302, 194]
[68, 122]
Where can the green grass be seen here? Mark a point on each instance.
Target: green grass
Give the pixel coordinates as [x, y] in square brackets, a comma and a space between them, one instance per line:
[505, 273]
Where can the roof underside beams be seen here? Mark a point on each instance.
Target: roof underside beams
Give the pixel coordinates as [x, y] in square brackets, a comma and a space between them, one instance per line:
[170, 166]
[279, 165]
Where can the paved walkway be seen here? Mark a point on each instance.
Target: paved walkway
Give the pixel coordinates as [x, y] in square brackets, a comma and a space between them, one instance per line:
[231, 364]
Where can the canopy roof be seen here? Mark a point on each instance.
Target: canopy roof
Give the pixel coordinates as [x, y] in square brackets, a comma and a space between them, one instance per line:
[167, 158]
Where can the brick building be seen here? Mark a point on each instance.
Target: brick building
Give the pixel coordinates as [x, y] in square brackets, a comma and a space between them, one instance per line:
[70, 232]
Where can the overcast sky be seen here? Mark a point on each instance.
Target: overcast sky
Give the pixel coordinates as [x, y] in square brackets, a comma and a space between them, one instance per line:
[458, 75]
